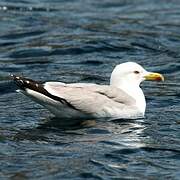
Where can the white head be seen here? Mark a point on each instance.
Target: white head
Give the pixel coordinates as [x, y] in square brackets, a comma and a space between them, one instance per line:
[131, 74]
[128, 76]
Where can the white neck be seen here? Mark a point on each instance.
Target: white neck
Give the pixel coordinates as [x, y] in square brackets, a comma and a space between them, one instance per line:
[134, 91]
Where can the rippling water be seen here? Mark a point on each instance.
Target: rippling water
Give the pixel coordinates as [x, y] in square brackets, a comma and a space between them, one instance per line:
[81, 41]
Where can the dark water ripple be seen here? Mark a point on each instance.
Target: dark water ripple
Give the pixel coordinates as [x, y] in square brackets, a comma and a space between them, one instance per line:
[81, 41]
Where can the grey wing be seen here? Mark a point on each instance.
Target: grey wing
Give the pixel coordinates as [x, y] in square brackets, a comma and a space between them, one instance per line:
[112, 93]
[91, 98]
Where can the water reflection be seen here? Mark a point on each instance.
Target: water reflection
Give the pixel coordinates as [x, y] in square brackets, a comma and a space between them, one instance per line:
[124, 133]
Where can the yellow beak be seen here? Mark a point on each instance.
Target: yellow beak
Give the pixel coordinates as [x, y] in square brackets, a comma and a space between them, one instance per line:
[154, 77]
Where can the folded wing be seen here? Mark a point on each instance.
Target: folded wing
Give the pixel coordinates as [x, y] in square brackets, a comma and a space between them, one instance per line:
[91, 98]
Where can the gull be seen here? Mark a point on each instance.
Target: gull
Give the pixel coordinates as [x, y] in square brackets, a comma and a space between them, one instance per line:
[122, 98]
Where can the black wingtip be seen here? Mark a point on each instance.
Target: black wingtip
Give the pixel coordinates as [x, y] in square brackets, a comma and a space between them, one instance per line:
[12, 76]
[24, 83]
[19, 81]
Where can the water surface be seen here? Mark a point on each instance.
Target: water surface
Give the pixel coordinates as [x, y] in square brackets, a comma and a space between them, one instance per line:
[82, 41]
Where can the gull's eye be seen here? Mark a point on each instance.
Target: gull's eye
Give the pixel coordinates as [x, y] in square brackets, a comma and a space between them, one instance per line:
[136, 72]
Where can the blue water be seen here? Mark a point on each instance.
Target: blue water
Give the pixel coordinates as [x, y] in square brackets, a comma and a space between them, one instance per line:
[82, 41]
